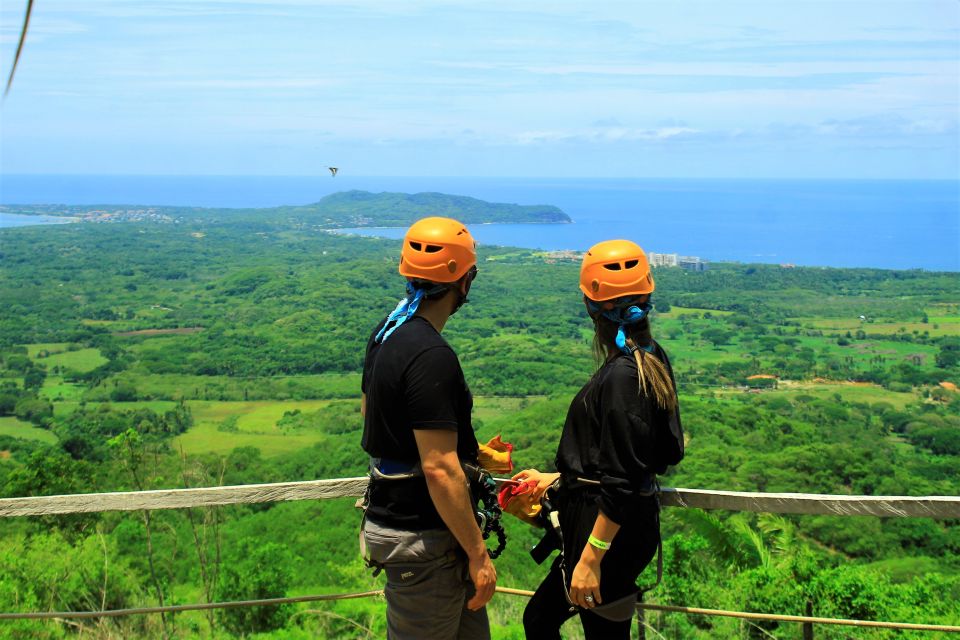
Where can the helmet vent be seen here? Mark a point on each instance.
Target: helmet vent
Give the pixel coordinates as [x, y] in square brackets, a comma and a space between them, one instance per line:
[612, 266]
[630, 264]
[432, 248]
[416, 246]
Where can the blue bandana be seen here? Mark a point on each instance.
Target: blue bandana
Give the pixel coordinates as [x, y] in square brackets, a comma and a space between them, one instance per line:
[624, 317]
[406, 309]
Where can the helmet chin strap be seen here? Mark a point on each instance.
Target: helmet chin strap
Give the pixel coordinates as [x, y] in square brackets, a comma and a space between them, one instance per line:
[624, 317]
[462, 298]
[462, 301]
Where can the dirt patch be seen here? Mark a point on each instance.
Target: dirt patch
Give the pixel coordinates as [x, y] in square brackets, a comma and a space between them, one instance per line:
[845, 383]
[870, 347]
[4, 455]
[160, 332]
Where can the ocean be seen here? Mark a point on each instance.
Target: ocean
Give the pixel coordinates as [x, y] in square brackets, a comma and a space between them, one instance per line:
[897, 224]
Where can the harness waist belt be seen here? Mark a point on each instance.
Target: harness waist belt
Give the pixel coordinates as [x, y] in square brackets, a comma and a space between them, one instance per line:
[648, 485]
[391, 467]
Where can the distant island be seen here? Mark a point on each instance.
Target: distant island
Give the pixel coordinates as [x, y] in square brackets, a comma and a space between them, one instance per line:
[365, 209]
[339, 210]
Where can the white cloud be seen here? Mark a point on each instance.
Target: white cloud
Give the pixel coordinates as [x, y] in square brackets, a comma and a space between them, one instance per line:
[604, 135]
[247, 83]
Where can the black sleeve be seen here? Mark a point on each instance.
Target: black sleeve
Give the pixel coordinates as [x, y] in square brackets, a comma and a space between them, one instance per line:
[624, 440]
[370, 355]
[432, 381]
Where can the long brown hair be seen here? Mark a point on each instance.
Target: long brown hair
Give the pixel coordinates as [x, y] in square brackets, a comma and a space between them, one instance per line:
[652, 373]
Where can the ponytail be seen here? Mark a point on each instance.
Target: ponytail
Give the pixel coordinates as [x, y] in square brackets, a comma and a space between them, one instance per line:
[653, 377]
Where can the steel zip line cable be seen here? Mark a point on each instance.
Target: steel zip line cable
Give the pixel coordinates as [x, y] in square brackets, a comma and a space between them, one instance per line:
[16, 57]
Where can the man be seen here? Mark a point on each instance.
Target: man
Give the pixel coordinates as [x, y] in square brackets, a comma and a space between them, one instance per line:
[420, 524]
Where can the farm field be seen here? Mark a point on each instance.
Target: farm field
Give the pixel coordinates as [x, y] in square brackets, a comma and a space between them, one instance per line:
[81, 360]
[254, 424]
[11, 426]
[771, 400]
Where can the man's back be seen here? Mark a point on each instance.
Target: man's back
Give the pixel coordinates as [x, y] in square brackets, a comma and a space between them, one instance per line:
[413, 380]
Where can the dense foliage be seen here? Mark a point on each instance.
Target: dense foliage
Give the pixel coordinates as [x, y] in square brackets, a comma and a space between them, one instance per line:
[226, 350]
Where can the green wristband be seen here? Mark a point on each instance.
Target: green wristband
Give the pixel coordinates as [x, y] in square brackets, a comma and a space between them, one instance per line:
[598, 543]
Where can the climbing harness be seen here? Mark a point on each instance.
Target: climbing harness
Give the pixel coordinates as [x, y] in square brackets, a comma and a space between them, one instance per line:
[482, 485]
[488, 510]
[617, 610]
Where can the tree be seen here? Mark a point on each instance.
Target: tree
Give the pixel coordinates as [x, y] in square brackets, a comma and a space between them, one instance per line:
[33, 378]
[949, 354]
[123, 392]
[255, 571]
[717, 336]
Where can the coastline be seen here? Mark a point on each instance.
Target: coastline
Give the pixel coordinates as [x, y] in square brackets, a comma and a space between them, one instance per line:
[16, 220]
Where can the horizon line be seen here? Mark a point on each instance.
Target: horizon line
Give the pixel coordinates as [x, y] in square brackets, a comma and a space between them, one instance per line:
[475, 177]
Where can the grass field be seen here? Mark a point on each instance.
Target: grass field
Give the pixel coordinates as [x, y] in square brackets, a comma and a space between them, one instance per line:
[942, 320]
[57, 390]
[256, 424]
[676, 312]
[253, 417]
[11, 426]
[224, 388]
[82, 360]
[487, 408]
[256, 427]
[936, 327]
[49, 347]
[850, 392]
[61, 409]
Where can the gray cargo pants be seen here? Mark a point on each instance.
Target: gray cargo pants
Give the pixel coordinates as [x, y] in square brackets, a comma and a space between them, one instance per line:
[428, 584]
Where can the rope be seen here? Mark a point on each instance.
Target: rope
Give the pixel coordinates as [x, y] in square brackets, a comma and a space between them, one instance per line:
[114, 613]
[786, 618]
[771, 616]
[941, 507]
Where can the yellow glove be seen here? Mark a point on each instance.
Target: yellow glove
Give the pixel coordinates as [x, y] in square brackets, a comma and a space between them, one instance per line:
[516, 498]
[495, 456]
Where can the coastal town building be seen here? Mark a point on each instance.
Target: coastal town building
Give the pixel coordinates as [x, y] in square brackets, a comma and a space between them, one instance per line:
[690, 263]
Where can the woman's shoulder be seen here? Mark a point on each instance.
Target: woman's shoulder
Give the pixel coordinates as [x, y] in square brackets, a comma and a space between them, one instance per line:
[619, 370]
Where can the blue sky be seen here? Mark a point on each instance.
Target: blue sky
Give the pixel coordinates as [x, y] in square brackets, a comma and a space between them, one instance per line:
[857, 89]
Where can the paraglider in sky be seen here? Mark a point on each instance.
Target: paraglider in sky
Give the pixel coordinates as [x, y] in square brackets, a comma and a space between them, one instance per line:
[333, 172]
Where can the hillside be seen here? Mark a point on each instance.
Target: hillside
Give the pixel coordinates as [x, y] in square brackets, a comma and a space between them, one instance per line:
[238, 343]
[337, 210]
[362, 208]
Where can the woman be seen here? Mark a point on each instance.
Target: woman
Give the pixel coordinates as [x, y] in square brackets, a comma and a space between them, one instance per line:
[621, 430]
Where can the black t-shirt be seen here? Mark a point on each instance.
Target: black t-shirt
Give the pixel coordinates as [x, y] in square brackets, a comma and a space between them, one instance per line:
[413, 380]
[618, 435]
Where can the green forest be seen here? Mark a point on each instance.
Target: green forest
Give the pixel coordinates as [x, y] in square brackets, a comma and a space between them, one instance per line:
[218, 348]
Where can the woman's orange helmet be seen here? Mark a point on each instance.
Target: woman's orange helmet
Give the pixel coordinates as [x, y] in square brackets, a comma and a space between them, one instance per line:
[437, 250]
[613, 269]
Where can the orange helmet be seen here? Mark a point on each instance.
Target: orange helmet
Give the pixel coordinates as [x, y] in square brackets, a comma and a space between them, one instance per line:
[437, 250]
[613, 269]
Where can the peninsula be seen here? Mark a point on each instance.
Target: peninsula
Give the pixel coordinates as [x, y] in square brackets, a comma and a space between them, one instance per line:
[345, 209]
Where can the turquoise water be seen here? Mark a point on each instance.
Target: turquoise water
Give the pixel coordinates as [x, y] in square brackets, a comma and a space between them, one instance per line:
[844, 223]
[13, 220]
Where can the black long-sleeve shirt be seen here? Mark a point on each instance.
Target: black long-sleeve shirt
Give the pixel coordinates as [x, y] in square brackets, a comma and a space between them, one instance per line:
[616, 433]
